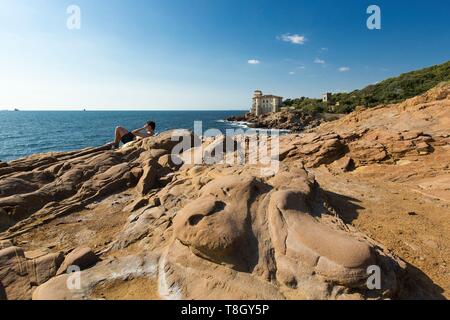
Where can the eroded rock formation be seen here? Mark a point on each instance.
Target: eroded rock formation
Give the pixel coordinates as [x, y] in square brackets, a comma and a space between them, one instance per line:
[214, 230]
[284, 120]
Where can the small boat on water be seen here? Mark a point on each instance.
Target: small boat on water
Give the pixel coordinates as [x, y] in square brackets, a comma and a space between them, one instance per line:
[15, 109]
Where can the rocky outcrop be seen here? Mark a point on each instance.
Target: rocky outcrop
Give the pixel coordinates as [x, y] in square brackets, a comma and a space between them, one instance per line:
[385, 134]
[81, 257]
[86, 284]
[294, 121]
[38, 189]
[147, 216]
[275, 230]
[21, 271]
[3, 164]
[245, 236]
[362, 147]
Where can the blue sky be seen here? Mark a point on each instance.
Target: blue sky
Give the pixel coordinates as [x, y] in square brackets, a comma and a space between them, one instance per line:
[195, 54]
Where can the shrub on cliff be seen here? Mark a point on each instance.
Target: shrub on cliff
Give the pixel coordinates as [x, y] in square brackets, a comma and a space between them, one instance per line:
[306, 104]
[394, 90]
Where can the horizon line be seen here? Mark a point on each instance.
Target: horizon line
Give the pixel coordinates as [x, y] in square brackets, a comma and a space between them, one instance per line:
[118, 110]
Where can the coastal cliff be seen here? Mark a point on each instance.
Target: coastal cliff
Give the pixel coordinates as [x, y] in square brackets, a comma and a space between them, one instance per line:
[370, 189]
[293, 121]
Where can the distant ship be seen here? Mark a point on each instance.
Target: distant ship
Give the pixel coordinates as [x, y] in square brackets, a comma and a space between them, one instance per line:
[15, 109]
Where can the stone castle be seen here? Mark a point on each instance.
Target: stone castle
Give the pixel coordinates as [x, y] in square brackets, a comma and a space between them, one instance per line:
[263, 104]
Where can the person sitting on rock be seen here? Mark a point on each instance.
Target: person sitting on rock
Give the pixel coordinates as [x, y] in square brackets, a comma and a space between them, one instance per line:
[122, 134]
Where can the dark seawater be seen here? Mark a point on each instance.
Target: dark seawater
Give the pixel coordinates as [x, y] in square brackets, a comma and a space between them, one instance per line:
[27, 132]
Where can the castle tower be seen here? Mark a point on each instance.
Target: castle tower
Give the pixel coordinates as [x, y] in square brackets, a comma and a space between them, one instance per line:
[327, 98]
[257, 102]
[263, 104]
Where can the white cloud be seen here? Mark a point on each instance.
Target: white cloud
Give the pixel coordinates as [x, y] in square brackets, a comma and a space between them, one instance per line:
[292, 73]
[253, 61]
[324, 49]
[319, 61]
[344, 69]
[293, 38]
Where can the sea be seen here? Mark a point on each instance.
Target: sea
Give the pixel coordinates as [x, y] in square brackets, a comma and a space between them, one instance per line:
[23, 133]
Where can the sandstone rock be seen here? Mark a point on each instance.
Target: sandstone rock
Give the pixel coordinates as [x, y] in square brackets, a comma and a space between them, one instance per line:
[67, 286]
[81, 257]
[18, 275]
[345, 164]
[140, 225]
[366, 152]
[297, 234]
[287, 241]
[423, 148]
[38, 253]
[56, 289]
[5, 220]
[58, 184]
[14, 274]
[148, 180]
[43, 268]
[325, 151]
[9, 186]
[5, 244]
[137, 204]
[284, 152]
[166, 161]
[158, 153]
[410, 135]
[215, 229]
[218, 230]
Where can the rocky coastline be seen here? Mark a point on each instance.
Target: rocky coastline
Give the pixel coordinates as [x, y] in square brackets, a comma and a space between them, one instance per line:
[367, 190]
[292, 121]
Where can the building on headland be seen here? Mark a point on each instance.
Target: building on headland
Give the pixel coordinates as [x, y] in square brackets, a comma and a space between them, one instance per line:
[263, 104]
[327, 98]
